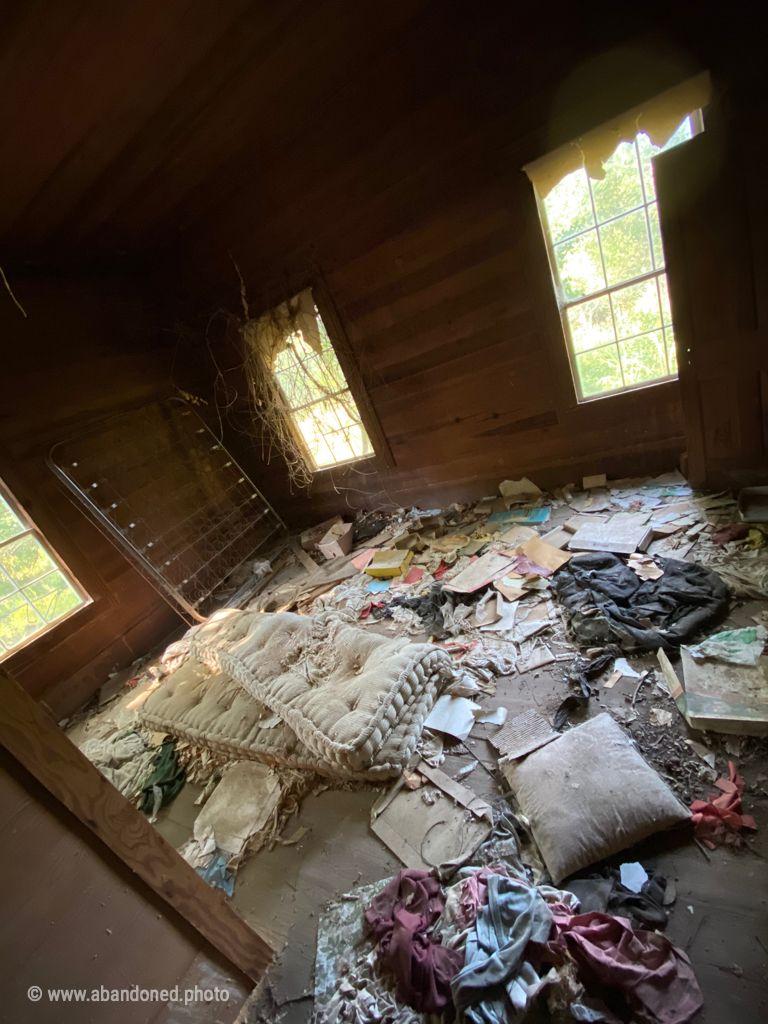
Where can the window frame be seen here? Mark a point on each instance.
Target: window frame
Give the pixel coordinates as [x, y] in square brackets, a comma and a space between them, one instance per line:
[697, 126]
[337, 336]
[60, 565]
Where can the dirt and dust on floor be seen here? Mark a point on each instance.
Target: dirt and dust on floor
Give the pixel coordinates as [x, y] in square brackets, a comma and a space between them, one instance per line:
[489, 762]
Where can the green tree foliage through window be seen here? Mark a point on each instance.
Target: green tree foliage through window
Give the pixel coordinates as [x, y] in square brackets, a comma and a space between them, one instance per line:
[35, 591]
[608, 264]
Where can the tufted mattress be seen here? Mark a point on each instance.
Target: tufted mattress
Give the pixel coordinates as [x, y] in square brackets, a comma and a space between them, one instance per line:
[309, 692]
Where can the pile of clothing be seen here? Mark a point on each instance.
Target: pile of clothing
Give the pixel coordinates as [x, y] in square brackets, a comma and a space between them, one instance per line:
[493, 942]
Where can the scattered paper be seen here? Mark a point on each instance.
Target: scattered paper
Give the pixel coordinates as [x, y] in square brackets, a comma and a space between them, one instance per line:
[242, 804]
[415, 575]
[633, 876]
[495, 716]
[645, 566]
[378, 586]
[486, 569]
[626, 669]
[537, 659]
[660, 718]
[518, 535]
[452, 715]
[516, 490]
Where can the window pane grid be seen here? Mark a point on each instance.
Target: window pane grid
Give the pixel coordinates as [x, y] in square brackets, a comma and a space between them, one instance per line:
[608, 229]
[35, 590]
[319, 403]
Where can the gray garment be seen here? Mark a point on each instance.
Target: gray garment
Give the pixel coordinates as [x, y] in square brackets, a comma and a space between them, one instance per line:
[493, 985]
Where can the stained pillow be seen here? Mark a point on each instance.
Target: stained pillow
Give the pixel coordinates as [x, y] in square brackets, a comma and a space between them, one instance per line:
[590, 794]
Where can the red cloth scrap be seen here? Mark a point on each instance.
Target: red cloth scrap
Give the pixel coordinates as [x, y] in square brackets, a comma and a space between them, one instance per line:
[720, 820]
[636, 971]
[441, 570]
[400, 918]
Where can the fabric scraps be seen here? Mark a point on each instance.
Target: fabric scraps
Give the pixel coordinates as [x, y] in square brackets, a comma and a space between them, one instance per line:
[400, 918]
[719, 820]
[639, 974]
[733, 531]
[651, 614]
[167, 775]
[496, 981]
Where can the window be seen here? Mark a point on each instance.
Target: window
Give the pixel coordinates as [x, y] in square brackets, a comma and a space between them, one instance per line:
[293, 354]
[36, 591]
[608, 264]
[597, 201]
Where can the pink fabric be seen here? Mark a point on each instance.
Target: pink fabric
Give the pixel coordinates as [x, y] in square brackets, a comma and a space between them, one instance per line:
[474, 893]
[720, 820]
[638, 971]
[400, 917]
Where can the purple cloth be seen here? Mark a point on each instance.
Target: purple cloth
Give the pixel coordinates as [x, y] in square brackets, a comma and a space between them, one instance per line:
[635, 971]
[400, 917]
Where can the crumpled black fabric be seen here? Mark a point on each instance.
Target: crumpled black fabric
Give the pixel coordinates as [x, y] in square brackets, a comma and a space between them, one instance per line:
[602, 891]
[429, 608]
[680, 604]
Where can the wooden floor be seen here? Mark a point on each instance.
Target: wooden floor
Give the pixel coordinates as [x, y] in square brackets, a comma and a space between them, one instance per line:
[71, 920]
[720, 918]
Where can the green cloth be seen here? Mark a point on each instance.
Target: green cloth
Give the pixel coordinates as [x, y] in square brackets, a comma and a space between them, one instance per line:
[167, 773]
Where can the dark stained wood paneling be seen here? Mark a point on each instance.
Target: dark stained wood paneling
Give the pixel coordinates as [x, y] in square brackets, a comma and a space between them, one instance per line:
[87, 349]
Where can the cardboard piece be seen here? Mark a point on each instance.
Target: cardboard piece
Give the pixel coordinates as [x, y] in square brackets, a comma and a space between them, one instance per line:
[614, 678]
[487, 568]
[242, 804]
[337, 542]
[310, 537]
[389, 563]
[523, 734]
[544, 554]
[430, 826]
[613, 536]
[590, 482]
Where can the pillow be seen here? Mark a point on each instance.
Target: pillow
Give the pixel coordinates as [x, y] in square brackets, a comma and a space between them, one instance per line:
[590, 794]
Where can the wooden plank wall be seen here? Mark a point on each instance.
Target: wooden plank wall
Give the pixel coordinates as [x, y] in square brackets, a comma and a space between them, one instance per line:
[73, 919]
[86, 349]
[714, 215]
[405, 192]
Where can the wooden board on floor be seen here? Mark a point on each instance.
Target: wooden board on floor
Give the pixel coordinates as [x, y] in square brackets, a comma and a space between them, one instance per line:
[40, 746]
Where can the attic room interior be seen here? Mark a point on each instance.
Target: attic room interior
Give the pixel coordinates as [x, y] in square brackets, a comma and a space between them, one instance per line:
[383, 513]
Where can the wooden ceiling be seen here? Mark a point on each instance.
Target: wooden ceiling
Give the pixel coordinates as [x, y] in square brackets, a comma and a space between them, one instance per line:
[115, 117]
[123, 122]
